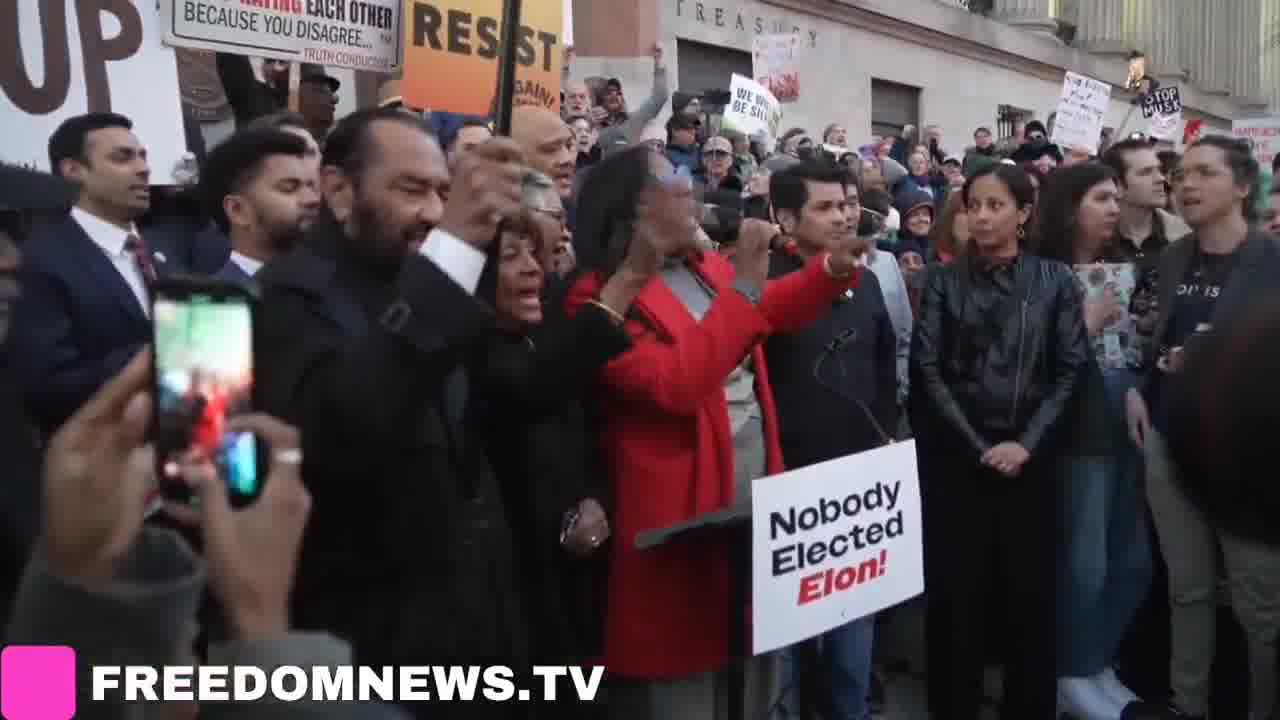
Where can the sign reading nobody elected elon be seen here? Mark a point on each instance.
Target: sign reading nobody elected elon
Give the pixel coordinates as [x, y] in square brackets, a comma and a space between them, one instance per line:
[356, 34]
[63, 58]
[453, 47]
[834, 542]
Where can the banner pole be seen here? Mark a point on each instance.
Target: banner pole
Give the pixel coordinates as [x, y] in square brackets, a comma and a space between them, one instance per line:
[507, 66]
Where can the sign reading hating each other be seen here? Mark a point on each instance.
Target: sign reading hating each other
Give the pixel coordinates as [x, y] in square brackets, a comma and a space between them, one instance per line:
[1264, 133]
[87, 56]
[1082, 109]
[834, 542]
[752, 109]
[357, 34]
[775, 63]
[452, 49]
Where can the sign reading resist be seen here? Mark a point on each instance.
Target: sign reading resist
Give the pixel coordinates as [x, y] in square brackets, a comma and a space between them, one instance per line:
[834, 542]
[356, 34]
[69, 57]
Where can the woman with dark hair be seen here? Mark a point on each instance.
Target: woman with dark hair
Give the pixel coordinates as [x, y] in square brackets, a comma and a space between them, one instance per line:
[530, 375]
[1107, 565]
[688, 421]
[998, 350]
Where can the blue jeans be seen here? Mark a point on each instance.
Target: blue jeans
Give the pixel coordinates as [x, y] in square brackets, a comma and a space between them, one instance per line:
[848, 649]
[1107, 563]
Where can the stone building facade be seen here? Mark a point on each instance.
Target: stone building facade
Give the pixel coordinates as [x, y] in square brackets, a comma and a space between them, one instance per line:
[874, 65]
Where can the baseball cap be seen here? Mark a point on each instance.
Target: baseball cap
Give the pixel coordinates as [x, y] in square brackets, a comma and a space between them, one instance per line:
[316, 73]
[716, 142]
[953, 160]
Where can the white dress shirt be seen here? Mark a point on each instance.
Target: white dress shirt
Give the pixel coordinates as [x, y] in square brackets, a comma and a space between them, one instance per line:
[249, 265]
[111, 240]
[461, 262]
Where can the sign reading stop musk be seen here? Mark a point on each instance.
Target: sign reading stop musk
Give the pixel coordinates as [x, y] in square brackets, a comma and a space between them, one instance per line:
[834, 542]
[452, 50]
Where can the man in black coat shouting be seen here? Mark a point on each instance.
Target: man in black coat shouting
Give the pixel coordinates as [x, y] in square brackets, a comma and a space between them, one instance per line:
[364, 333]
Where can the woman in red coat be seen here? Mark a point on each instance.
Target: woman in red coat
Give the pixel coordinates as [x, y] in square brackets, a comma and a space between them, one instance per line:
[665, 432]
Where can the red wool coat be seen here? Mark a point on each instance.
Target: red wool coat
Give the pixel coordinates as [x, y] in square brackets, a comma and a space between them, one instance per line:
[668, 447]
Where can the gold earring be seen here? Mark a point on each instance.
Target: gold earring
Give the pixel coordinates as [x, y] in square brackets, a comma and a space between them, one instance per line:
[1022, 233]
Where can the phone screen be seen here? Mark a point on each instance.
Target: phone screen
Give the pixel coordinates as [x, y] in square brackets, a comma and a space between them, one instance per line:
[204, 377]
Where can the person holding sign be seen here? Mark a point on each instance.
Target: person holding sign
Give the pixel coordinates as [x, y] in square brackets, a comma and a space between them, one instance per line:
[687, 420]
[998, 352]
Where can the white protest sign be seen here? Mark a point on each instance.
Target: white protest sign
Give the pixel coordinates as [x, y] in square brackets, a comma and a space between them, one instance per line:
[834, 542]
[70, 57]
[1166, 127]
[752, 109]
[1264, 133]
[775, 64]
[1081, 112]
[361, 34]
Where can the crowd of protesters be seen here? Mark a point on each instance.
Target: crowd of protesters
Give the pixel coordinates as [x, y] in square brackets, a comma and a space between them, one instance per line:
[486, 364]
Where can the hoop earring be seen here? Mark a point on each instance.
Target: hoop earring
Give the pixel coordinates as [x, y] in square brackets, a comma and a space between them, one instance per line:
[1022, 233]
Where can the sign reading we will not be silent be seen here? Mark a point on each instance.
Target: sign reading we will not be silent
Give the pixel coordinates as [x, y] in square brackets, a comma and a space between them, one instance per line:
[452, 51]
[87, 56]
[834, 542]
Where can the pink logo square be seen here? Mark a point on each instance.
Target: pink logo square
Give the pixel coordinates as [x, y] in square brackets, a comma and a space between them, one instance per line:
[37, 683]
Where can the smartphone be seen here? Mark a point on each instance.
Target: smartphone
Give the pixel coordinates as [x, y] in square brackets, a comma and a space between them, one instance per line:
[204, 372]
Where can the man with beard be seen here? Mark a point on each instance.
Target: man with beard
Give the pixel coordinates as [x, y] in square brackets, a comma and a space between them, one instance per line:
[262, 191]
[363, 333]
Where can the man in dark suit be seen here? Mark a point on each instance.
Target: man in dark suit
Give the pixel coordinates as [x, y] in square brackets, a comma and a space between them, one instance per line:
[263, 192]
[85, 306]
[363, 335]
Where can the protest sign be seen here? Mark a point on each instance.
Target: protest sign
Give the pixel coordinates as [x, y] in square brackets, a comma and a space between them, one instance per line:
[775, 64]
[87, 56]
[834, 542]
[1082, 109]
[752, 109]
[1264, 133]
[1165, 127]
[356, 34]
[452, 49]
[1162, 101]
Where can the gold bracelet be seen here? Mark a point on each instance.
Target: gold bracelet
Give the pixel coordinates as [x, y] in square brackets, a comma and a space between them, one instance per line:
[612, 313]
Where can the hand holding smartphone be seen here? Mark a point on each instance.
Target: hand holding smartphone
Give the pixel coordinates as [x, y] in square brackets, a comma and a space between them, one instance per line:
[204, 372]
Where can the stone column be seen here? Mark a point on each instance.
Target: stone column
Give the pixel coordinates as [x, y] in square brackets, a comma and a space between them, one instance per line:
[1270, 39]
[1245, 50]
[1100, 27]
[1156, 28]
[1033, 15]
[1211, 28]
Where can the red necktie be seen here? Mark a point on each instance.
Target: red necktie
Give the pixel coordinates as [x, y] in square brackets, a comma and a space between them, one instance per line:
[142, 256]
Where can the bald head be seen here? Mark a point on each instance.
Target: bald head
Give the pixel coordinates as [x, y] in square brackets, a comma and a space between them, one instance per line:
[577, 99]
[547, 143]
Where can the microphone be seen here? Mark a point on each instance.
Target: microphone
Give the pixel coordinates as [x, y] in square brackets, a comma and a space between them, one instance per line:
[839, 341]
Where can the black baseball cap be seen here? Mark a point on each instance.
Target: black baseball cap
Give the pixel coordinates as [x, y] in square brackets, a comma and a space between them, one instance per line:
[316, 73]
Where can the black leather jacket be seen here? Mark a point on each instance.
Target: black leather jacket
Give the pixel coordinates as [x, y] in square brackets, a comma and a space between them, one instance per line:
[998, 352]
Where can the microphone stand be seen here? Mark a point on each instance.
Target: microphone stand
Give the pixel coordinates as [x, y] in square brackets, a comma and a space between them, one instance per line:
[830, 350]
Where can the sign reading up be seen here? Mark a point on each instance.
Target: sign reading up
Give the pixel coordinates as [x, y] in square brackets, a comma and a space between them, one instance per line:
[834, 542]
[356, 34]
[452, 49]
[69, 57]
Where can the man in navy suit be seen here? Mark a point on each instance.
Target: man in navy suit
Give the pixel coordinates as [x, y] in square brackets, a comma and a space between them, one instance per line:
[262, 189]
[86, 303]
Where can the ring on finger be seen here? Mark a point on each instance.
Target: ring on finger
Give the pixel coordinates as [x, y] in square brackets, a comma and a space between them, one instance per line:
[288, 456]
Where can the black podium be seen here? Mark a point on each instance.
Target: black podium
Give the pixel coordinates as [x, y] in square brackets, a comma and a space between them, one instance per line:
[735, 523]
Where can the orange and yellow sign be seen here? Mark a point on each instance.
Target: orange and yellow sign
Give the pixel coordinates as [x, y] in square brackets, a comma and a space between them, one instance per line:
[452, 49]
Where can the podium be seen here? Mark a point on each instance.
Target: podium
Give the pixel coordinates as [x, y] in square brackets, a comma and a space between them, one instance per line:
[735, 523]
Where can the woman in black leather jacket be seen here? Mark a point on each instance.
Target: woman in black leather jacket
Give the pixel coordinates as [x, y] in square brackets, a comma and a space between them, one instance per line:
[997, 354]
